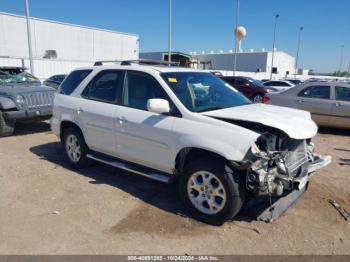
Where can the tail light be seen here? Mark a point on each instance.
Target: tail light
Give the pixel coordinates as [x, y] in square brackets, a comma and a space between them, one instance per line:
[266, 99]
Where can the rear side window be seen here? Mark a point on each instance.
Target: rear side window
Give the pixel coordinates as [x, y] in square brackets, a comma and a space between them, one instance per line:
[268, 83]
[239, 82]
[284, 84]
[73, 80]
[322, 92]
[105, 86]
[229, 80]
[342, 93]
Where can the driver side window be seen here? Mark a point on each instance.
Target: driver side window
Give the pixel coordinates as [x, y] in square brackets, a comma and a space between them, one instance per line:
[139, 88]
[322, 92]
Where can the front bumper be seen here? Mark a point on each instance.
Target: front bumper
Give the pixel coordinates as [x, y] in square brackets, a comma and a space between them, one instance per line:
[29, 115]
[264, 210]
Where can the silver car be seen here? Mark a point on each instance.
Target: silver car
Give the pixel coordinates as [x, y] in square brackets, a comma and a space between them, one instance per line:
[329, 103]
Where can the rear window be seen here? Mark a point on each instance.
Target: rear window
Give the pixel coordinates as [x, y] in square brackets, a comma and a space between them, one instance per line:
[73, 80]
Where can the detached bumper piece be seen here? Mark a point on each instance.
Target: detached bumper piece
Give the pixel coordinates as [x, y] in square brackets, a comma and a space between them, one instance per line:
[264, 209]
[318, 163]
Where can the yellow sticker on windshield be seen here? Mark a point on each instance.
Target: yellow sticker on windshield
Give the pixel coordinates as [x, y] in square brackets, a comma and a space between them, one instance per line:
[172, 80]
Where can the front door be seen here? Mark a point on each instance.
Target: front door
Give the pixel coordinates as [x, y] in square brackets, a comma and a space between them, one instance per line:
[316, 100]
[144, 137]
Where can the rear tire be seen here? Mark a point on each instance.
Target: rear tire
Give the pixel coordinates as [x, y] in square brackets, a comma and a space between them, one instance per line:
[75, 148]
[210, 192]
[6, 128]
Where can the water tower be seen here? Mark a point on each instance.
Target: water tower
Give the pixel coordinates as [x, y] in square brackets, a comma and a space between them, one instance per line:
[240, 33]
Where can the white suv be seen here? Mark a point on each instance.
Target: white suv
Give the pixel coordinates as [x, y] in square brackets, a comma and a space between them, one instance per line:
[169, 122]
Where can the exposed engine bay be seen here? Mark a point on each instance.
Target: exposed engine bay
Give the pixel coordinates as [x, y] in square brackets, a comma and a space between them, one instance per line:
[277, 164]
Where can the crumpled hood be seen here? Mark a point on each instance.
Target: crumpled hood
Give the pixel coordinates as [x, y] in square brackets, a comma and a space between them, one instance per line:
[295, 123]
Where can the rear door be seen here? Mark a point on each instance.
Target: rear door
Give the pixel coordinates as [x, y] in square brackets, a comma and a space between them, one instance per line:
[317, 100]
[341, 107]
[96, 110]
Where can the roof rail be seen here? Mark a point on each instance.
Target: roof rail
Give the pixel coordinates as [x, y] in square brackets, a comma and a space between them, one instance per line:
[138, 61]
[99, 63]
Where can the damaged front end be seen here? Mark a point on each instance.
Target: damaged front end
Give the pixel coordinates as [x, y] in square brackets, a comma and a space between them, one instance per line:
[278, 165]
[278, 170]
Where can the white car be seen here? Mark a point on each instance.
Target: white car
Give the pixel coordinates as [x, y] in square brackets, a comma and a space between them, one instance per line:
[279, 84]
[165, 123]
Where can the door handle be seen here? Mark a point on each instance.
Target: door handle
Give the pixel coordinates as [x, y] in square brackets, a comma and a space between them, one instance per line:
[78, 110]
[301, 100]
[121, 120]
[338, 104]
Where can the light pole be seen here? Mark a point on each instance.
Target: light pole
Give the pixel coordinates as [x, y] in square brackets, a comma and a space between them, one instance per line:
[236, 39]
[298, 50]
[341, 58]
[170, 33]
[29, 39]
[273, 44]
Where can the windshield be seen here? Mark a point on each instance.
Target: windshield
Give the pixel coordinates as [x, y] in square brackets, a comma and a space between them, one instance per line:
[23, 77]
[200, 92]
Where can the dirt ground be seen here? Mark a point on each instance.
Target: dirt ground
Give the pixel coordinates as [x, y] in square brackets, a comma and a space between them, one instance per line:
[47, 208]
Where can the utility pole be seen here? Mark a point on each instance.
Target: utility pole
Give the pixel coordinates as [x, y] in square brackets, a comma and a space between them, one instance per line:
[273, 44]
[170, 33]
[236, 39]
[29, 39]
[298, 50]
[341, 58]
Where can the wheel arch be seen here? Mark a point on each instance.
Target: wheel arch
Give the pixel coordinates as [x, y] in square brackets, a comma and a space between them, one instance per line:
[188, 154]
[69, 124]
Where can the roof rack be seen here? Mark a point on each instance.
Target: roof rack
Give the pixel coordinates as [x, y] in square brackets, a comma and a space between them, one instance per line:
[138, 61]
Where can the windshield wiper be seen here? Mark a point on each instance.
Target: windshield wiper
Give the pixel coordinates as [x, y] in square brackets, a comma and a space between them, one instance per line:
[210, 109]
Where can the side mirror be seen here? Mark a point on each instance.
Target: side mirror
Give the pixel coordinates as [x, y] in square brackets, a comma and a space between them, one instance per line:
[159, 106]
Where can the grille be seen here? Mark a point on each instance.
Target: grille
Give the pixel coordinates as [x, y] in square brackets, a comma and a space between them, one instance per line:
[39, 99]
[296, 158]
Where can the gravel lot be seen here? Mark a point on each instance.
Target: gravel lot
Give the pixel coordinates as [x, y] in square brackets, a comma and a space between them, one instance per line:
[47, 208]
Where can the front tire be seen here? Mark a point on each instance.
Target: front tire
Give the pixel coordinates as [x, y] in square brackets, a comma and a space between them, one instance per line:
[75, 148]
[6, 128]
[210, 192]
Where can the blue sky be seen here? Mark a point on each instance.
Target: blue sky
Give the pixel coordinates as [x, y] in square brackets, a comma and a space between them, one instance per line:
[208, 24]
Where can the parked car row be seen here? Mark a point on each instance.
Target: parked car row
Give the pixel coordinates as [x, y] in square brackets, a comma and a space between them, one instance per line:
[327, 101]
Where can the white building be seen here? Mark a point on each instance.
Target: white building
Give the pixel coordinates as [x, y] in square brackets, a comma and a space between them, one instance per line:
[59, 47]
[254, 62]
